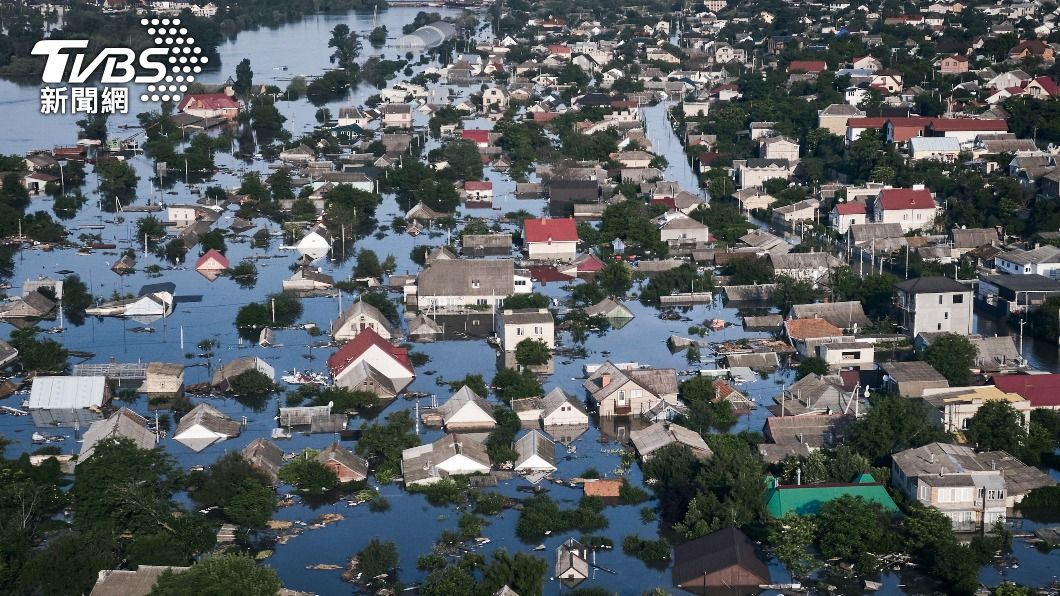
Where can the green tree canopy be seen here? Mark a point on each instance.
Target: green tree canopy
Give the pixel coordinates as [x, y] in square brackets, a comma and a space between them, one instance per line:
[953, 356]
[220, 575]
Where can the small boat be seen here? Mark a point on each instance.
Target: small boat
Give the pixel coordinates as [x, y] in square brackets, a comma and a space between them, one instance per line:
[39, 438]
[872, 586]
[539, 547]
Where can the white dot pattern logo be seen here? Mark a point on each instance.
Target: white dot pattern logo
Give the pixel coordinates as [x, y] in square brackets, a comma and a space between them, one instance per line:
[169, 35]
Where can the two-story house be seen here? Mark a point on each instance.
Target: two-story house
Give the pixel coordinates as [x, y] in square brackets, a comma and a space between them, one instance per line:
[974, 490]
[526, 323]
[397, 115]
[455, 284]
[615, 391]
[934, 304]
[912, 208]
[847, 214]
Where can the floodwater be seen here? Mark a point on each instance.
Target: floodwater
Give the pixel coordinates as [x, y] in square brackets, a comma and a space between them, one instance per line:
[411, 522]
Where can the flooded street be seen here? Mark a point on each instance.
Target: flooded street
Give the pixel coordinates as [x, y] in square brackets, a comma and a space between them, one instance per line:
[206, 310]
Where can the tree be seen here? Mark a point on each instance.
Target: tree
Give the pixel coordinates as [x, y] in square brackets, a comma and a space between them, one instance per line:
[791, 538]
[447, 581]
[150, 230]
[309, 475]
[705, 411]
[811, 365]
[39, 355]
[474, 382]
[893, 424]
[244, 79]
[218, 575]
[616, 278]
[251, 383]
[117, 181]
[997, 426]
[532, 352]
[854, 530]
[367, 264]
[514, 384]
[378, 36]
[347, 47]
[382, 444]
[213, 240]
[377, 558]
[235, 486]
[953, 356]
[749, 270]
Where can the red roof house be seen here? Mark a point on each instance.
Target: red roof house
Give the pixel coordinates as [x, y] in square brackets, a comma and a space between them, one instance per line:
[906, 198]
[212, 260]
[850, 208]
[480, 137]
[370, 363]
[912, 208]
[551, 239]
[210, 105]
[1043, 391]
[807, 66]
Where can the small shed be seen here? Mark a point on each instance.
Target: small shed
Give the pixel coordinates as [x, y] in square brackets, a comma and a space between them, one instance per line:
[537, 453]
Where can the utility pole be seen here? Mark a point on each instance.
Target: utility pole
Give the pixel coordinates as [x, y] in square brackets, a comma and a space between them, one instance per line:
[273, 311]
[1022, 322]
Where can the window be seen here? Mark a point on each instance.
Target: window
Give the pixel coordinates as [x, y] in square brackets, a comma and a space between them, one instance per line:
[940, 298]
[637, 393]
[925, 493]
[938, 327]
[946, 315]
[537, 331]
[519, 331]
[958, 298]
[475, 283]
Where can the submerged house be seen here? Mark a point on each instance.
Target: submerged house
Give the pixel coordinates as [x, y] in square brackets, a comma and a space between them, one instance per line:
[347, 466]
[123, 424]
[265, 457]
[370, 363]
[572, 562]
[68, 401]
[537, 453]
[452, 455]
[723, 562]
[630, 391]
[661, 434]
[223, 376]
[203, 426]
[467, 411]
[359, 316]
[33, 305]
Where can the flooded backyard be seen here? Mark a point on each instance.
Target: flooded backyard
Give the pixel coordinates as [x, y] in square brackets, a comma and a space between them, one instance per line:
[206, 310]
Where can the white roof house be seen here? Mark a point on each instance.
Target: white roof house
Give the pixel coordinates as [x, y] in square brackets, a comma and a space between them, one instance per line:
[452, 455]
[537, 453]
[203, 426]
[68, 401]
[67, 393]
[466, 410]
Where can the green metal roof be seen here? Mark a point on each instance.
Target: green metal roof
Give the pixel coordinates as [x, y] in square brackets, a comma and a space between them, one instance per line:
[807, 499]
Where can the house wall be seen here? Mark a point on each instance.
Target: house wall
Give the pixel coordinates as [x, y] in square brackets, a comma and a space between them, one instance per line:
[909, 219]
[351, 328]
[842, 223]
[940, 312]
[557, 251]
[162, 384]
[567, 415]
[756, 176]
[512, 334]
[685, 235]
[636, 398]
[845, 356]
[462, 464]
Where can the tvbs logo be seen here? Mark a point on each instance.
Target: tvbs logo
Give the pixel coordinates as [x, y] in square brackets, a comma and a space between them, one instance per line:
[166, 68]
